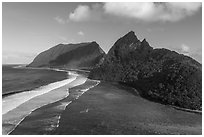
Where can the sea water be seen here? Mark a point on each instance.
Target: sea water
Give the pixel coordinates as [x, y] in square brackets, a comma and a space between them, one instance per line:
[16, 104]
[17, 79]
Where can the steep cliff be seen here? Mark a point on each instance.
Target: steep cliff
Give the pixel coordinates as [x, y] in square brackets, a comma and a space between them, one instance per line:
[82, 55]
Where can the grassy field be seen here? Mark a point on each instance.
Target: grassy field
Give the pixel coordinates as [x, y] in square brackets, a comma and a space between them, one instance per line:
[110, 108]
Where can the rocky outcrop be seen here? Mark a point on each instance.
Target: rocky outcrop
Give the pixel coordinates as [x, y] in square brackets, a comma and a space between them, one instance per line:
[72, 56]
[159, 74]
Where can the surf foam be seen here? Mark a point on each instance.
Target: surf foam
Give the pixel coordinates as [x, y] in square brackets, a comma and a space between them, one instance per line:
[14, 117]
[13, 101]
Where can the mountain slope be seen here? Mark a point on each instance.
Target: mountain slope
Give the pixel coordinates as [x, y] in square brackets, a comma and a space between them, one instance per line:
[159, 74]
[82, 55]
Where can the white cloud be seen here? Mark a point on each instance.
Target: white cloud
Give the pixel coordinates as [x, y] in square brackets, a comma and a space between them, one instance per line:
[135, 10]
[185, 49]
[150, 11]
[60, 20]
[86, 13]
[80, 33]
[145, 11]
[81, 13]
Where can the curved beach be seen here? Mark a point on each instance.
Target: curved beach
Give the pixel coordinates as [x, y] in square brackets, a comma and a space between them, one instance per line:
[16, 107]
[106, 109]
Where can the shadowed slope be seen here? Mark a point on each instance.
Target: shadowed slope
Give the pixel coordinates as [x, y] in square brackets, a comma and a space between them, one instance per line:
[159, 74]
[70, 56]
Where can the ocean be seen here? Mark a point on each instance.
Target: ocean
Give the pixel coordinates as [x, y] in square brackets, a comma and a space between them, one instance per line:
[17, 79]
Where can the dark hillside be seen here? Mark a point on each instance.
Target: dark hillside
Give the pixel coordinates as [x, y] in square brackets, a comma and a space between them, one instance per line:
[160, 74]
[70, 56]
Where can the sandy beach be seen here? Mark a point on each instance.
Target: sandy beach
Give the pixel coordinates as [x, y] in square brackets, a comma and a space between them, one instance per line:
[107, 109]
[16, 107]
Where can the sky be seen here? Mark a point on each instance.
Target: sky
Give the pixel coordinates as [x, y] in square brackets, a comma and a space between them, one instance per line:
[30, 28]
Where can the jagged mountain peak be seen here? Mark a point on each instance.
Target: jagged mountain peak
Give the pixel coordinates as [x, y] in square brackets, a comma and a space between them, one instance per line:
[129, 38]
[129, 43]
[130, 34]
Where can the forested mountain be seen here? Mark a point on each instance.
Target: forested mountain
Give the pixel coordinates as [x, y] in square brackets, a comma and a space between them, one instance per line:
[158, 74]
[82, 55]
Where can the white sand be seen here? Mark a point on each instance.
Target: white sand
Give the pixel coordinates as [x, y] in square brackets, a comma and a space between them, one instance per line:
[11, 102]
[29, 102]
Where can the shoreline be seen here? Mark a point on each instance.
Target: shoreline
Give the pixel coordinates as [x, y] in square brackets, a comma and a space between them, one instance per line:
[64, 92]
[70, 75]
[27, 95]
[9, 93]
[67, 71]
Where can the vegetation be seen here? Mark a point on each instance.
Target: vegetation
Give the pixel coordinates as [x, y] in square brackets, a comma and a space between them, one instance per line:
[70, 56]
[85, 56]
[159, 74]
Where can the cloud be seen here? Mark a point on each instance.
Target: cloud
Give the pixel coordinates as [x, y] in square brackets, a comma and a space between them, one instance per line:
[144, 11]
[86, 13]
[80, 33]
[185, 49]
[60, 20]
[81, 13]
[151, 11]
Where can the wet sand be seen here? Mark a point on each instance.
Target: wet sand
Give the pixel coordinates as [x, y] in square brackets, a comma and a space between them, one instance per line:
[12, 118]
[109, 109]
